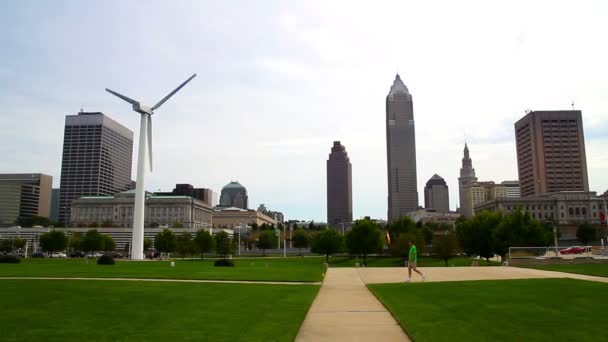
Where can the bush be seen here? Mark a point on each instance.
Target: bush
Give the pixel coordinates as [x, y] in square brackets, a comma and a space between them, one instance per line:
[9, 259]
[105, 260]
[224, 263]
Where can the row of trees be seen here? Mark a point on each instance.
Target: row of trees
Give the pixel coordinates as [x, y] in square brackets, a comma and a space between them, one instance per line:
[186, 244]
[91, 241]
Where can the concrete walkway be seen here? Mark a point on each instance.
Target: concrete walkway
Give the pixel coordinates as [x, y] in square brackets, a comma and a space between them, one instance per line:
[168, 280]
[345, 310]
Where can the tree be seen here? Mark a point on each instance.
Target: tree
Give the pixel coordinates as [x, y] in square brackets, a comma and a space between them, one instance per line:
[586, 233]
[75, 241]
[177, 224]
[92, 241]
[53, 241]
[33, 221]
[327, 242]
[266, 240]
[6, 246]
[19, 243]
[154, 225]
[364, 238]
[445, 247]
[520, 229]
[165, 241]
[254, 227]
[476, 235]
[301, 239]
[223, 245]
[401, 232]
[184, 244]
[204, 242]
[108, 243]
[147, 244]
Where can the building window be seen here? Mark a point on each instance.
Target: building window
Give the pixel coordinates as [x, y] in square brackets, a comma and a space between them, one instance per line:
[577, 211]
[571, 211]
[584, 210]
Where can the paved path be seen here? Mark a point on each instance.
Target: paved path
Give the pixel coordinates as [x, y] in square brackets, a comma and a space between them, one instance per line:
[378, 275]
[169, 280]
[345, 310]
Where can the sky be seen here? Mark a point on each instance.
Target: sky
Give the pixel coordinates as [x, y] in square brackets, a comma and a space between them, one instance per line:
[279, 81]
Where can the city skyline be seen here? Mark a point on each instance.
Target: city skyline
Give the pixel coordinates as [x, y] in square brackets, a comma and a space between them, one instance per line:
[468, 83]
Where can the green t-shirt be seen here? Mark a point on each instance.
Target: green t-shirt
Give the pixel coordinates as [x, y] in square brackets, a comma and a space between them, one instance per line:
[413, 254]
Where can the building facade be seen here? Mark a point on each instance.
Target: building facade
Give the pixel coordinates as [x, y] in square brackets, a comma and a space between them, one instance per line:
[480, 192]
[432, 216]
[234, 195]
[206, 195]
[467, 176]
[512, 188]
[24, 195]
[401, 151]
[436, 194]
[160, 211]
[339, 187]
[97, 156]
[229, 218]
[275, 215]
[551, 152]
[561, 208]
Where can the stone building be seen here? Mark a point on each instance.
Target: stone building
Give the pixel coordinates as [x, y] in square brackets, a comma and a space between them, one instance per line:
[467, 176]
[234, 195]
[233, 217]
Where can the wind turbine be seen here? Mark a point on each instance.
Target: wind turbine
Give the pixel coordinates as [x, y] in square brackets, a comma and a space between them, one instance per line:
[145, 143]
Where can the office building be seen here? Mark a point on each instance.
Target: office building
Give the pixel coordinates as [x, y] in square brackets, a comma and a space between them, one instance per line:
[551, 152]
[512, 188]
[54, 205]
[339, 187]
[24, 195]
[206, 195]
[467, 176]
[234, 195]
[401, 151]
[275, 215]
[160, 211]
[232, 217]
[97, 156]
[480, 192]
[436, 194]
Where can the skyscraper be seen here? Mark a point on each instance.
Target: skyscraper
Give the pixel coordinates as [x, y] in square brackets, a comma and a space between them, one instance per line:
[401, 151]
[234, 195]
[551, 152]
[436, 194]
[97, 155]
[24, 195]
[339, 187]
[467, 176]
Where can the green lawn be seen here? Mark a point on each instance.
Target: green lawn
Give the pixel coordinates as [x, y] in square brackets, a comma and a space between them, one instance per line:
[83, 310]
[600, 270]
[341, 261]
[499, 310]
[290, 269]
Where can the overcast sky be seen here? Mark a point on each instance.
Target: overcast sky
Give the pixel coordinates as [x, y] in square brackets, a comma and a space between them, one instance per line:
[279, 81]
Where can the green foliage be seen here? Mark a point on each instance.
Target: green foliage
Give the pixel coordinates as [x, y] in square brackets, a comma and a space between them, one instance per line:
[224, 263]
[177, 224]
[520, 229]
[223, 245]
[254, 227]
[154, 225]
[401, 232]
[34, 221]
[301, 239]
[147, 244]
[53, 241]
[427, 233]
[75, 241]
[108, 243]
[9, 259]
[105, 260]
[92, 241]
[586, 233]
[6, 246]
[184, 244]
[327, 242]
[19, 243]
[204, 242]
[164, 241]
[476, 234]
[445, 247]
[364, 238]
[266, 240]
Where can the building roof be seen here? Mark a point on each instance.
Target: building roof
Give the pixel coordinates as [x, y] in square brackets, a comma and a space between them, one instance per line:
[398, 87]
[233, 185]
[436, 180]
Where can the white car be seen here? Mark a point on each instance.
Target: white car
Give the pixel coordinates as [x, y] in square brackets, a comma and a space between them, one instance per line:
[58, 255]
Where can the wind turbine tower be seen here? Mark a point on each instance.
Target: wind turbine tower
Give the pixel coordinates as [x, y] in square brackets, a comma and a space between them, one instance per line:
[145, 150]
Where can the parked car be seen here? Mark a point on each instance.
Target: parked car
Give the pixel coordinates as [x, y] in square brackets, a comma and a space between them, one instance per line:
[78, 254]
[573, 250]
[58, 255]
[152, 255]
[115, 255]
[38, 255]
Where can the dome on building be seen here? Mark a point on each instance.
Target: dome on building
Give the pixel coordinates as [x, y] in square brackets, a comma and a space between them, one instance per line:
[233, 185]
[234, 195]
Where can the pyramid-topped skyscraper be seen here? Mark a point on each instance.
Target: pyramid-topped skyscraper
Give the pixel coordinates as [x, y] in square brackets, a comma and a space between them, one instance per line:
[401, 151]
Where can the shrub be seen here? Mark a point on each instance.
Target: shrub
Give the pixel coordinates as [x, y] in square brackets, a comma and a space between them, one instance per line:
[105, 260]
[224, 263]
[9, 259]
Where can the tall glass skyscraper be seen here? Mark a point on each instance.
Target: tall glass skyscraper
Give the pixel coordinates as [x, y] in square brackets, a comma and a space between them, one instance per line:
[97, 156]
[401, 151]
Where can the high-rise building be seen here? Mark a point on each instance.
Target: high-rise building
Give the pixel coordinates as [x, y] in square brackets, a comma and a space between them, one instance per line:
[54, 205]
[234, 195]
[512, 188]
[339, 187]
[436, 194]
[467, 175]
[24, 195]
[97, 156]
[480, 192]
[206, 195]
[401, 151]
[551, 152]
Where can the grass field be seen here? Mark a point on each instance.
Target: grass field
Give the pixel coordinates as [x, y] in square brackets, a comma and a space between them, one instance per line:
[291, 269]
[83, 310]
[340, 261]
[600, 270]
[501, 310]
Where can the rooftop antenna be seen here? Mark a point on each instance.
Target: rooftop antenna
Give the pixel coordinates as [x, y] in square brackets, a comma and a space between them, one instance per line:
[572, 105]
[145, 145]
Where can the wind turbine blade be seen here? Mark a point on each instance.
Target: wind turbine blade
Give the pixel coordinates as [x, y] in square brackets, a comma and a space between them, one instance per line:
[150, 140]
[131, 101]
[160, 103]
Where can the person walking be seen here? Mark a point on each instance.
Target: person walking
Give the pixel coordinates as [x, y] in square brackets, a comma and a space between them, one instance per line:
[411, 263]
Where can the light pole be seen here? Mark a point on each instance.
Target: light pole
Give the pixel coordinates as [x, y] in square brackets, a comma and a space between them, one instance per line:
[290, 236]
[284, 243]
[239, 227]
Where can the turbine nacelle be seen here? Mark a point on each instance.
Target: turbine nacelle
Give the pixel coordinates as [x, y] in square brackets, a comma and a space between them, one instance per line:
[142, 109]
